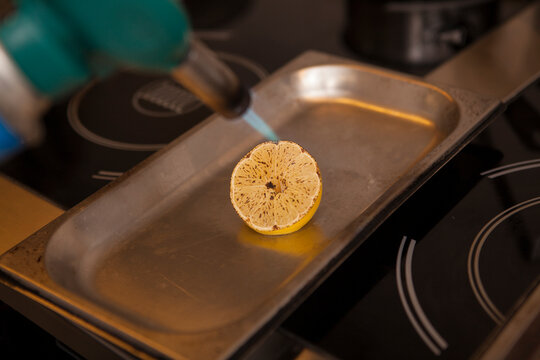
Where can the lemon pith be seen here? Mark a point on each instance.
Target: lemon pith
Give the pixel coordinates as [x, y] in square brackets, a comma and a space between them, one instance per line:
[276, 188]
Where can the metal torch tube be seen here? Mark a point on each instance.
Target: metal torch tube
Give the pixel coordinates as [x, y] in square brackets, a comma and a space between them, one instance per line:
[212, 81]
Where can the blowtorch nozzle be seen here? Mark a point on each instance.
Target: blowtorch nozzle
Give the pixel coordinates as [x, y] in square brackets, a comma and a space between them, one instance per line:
[212, 81]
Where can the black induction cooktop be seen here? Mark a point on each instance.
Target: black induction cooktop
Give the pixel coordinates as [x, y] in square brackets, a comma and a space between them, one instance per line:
[450, 265]
[433, 281]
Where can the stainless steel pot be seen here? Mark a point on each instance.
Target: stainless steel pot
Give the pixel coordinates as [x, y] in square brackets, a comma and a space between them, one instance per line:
[416, 32]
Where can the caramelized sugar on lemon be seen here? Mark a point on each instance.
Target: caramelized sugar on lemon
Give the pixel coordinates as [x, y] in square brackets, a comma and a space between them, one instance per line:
[276, 188]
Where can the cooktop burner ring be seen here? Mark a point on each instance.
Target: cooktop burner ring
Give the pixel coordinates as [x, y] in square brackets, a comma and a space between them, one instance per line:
[410, 303]
[473, 259]
[82, 130]
[511, 168]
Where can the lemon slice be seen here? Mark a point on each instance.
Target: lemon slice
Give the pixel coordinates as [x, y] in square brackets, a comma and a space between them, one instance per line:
[276, 188]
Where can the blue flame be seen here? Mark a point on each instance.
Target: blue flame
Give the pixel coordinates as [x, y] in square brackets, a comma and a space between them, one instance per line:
[258, 124]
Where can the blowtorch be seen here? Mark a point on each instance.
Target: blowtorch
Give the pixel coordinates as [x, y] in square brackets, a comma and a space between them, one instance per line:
[50, 48]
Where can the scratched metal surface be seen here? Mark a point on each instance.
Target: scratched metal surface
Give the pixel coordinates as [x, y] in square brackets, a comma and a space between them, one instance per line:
[161, 261]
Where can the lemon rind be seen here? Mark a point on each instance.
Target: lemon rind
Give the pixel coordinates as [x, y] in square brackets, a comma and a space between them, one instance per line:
[302, 220]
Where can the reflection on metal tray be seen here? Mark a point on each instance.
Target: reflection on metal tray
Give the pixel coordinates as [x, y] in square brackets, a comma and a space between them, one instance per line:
[161, 261]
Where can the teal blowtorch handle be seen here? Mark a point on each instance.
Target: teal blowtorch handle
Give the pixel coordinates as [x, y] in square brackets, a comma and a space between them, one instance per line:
[50, 47]
[60, 44]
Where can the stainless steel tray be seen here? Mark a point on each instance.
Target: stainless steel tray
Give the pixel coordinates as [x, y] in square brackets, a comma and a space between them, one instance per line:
[160, 260]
